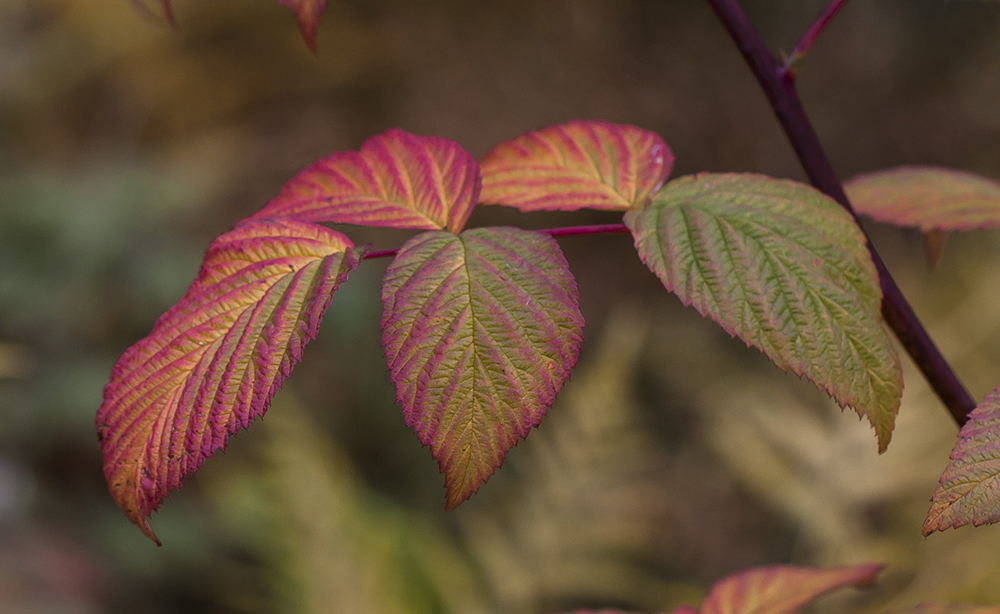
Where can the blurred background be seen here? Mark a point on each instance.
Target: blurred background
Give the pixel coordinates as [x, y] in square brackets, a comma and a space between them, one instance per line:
[674, 455]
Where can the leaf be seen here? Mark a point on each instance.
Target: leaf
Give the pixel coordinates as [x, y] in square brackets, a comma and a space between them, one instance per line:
[214, 360]
[969, 490]
[781, 589]
[785, 269]
[581, 164]
[927, 197]
[480, 331]
[939, 607]
[307, 12]
[397, 179]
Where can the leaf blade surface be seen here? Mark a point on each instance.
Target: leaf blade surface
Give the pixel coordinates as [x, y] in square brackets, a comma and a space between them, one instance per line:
[480, 332]
[397, 179]
[580, 164]
[969, 489]
[781, 589]
[212, 362]
[927, 197]
[785, 269]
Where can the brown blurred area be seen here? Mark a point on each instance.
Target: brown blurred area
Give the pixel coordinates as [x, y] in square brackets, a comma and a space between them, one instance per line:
[674, 456]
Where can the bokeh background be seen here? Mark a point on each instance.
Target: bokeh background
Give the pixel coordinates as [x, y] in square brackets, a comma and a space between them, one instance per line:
[673, 457]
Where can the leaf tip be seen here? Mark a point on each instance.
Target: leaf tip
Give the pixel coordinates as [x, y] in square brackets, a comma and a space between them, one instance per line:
[307, 12]
[168, 13]
[147, 530]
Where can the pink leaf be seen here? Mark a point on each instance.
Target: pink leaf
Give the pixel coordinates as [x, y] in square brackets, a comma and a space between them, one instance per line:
[480, 331]
[969, 491]
[307, 12]
[397, 179]
[781, 589]
[928, 198]
[940, 607]
[581, 164]
[213, 361]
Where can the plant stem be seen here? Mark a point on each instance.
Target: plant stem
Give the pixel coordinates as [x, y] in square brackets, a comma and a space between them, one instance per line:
[809, 38]
[597, 229]
[780, 90]
[385, 253]
[562, 231]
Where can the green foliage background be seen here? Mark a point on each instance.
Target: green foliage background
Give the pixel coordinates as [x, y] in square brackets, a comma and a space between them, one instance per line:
[674, 456]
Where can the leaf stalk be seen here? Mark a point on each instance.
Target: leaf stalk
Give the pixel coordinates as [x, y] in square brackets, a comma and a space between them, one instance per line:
[562, 231]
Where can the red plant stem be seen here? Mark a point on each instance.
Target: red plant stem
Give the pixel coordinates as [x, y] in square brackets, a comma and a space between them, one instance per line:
[597, 229]
[562, 231]
[809, 38]
[777, 85]
[385, 253]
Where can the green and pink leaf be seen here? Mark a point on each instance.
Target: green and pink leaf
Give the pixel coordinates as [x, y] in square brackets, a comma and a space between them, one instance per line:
[580, 164]
[969, 490]
[480, 331]
[213, 361]
[928, 198]
[781, 589]
[939, 607]
[397, 179]
[774, 590]
[785, 269]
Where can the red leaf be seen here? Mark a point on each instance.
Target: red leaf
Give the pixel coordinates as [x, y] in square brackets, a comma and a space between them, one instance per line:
[969, 492]
[781, 589]
[397, 179]
[928, 198]
[581, 164]
[480, 331]
[213, 361]
[307, 12]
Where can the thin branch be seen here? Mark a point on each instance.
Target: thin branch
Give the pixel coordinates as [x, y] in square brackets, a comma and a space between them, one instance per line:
[385, 253]
[809, 38]
[598, 229]
[780, 91]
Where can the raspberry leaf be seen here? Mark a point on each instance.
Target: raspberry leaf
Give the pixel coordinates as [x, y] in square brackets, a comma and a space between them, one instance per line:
[969, 490]
[781, 589]
[928, 198]
[480, 332]
[308, 13]
[785, 269]
[581, 164]
[397, 179]
[214, 360]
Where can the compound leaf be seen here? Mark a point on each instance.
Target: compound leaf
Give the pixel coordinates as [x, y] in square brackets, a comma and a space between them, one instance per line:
[397, 179]
[785, 269]
[969, 490]
[480, 331]
[214, 360]
[581, 164]
[928, 198]
[781, 589]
